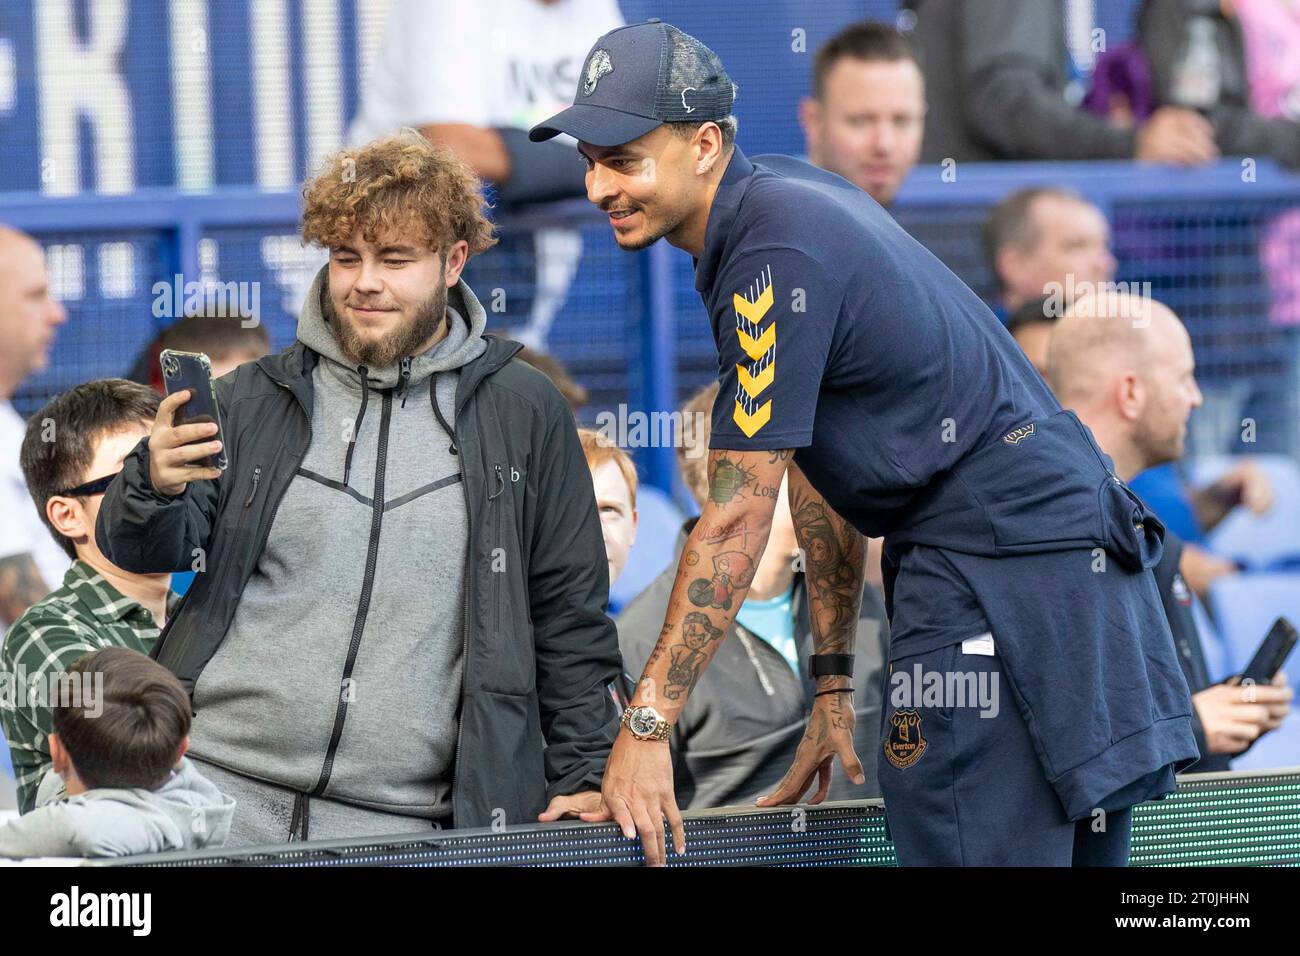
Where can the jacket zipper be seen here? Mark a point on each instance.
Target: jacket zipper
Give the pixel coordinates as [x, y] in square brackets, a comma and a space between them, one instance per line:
[405, 377]
[464, 652]
[363, 603]
[257, 476]
[496, 530]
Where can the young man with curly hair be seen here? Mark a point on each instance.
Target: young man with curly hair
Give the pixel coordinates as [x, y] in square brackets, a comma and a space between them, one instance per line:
[400, 617]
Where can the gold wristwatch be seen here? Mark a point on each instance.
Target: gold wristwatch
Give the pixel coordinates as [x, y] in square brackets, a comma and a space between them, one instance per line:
[646, 723]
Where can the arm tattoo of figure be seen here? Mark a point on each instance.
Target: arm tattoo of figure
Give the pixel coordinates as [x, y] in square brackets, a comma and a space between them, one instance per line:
[732, 571]
[689, 658]
[835, 556]
[21, 586]
[716, 568]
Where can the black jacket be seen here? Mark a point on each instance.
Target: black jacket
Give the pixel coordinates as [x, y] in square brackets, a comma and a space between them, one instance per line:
[742, 724]
[536, 718]
[1238, 129]
[996, 73]
[1177, 600]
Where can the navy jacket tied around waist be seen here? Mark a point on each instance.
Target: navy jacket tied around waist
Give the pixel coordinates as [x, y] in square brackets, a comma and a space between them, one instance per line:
[1057, 551]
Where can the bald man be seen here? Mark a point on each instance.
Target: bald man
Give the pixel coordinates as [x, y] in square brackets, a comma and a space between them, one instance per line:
[29, 317]
[1125, 365]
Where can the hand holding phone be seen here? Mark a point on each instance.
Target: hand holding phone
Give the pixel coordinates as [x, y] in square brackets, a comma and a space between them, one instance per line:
[1272, 653]
[186, 443]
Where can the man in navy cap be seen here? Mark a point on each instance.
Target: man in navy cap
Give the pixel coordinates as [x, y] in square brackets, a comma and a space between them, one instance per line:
[1034, 695]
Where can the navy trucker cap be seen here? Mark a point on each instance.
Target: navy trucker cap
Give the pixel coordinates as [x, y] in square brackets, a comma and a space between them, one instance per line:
[638, 77]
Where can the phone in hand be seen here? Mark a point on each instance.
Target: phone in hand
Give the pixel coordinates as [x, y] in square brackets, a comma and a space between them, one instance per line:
[1272, 653]
[193, 370]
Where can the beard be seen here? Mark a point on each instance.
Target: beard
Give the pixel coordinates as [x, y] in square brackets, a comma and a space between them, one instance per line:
[1157, 445]
[654, 231]
[648, 240]
[405, 339]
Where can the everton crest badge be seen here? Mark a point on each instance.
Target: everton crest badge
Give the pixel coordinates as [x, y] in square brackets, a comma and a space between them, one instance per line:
[905, 744]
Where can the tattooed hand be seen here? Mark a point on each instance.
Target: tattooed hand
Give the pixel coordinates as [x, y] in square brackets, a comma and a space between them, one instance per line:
[829, 734]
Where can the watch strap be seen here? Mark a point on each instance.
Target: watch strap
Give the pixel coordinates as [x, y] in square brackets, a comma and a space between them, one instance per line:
[830, 665]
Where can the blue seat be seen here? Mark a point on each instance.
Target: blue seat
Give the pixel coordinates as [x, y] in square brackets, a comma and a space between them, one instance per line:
[658, 522]
[1246, 605]
[1269, 542]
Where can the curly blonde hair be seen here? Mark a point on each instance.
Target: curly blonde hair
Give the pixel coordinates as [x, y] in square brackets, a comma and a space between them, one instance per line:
[391, 186]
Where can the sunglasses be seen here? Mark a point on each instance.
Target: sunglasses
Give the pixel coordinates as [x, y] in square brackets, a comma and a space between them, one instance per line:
[96, 487]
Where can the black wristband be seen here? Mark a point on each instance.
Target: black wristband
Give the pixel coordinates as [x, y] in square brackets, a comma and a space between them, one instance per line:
[830, 665]
[838, 690]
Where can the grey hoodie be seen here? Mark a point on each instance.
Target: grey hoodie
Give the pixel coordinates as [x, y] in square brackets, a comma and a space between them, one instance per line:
[340, 675]
[186, 813]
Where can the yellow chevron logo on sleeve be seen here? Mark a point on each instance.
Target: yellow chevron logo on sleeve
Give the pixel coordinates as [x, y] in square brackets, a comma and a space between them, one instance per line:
[753, 384]
[752, 423]
[756, 348]
[753, 311]
[761, 351]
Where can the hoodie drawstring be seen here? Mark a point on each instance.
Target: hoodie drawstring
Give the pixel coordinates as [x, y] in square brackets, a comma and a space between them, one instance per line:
[433, 400]
[356, 425]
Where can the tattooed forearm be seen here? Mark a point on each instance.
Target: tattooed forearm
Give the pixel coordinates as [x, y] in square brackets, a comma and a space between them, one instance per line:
[715, 572]
[835, 560]
[726, 532]
[736, 477]
[689, 658]
[21, 586]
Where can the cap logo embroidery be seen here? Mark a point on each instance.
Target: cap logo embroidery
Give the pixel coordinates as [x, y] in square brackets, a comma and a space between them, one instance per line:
[597, 66]
[689, 109]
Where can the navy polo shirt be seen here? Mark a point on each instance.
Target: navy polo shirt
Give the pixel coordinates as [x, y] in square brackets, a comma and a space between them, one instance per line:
[841, 336]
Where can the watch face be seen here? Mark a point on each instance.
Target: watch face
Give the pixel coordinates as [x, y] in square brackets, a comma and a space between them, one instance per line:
[642, 721]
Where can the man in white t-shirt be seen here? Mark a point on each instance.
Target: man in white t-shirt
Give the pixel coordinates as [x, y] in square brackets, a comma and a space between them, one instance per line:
[476, 77]
[31, 564]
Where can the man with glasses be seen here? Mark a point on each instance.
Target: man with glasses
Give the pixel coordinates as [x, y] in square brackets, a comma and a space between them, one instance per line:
[73, 448]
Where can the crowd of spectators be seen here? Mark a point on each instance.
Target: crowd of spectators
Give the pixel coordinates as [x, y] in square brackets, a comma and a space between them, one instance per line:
[105, 529]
